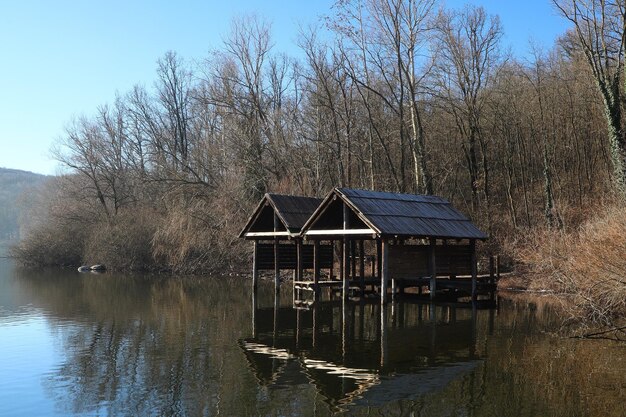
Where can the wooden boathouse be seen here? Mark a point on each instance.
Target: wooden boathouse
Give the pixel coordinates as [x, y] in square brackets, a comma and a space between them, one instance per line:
[374, 239]
[275, 227]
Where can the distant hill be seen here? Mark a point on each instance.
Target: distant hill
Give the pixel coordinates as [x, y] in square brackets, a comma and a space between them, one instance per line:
[13, 184]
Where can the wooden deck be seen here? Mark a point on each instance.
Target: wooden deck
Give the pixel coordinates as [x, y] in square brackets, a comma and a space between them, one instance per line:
[446, 287]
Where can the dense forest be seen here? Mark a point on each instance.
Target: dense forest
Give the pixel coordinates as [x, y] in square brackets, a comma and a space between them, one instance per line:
[396, 95]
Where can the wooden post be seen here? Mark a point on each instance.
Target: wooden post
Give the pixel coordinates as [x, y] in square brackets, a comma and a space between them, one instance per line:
[492, 277]
[276, 257]
[345, 268]
[276, 265]
[352, 259]
[255, 266]
[254, 313]
[299, 260]
[432, 267]
[498, 267]
[384, 276]
[316, 267]
[299, 270]
[379, 256]
[346, 262]
[332, 260]
[474, 267]
[362, 266]
[341, 269]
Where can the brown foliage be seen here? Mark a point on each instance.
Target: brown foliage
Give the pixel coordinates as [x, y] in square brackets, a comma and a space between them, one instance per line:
[124, 243]
[587, 264]
[199, 235]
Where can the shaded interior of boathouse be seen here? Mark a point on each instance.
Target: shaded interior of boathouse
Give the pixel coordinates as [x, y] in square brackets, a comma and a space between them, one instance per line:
[361, 243]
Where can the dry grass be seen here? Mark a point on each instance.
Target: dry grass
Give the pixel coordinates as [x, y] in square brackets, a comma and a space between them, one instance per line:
[588, 265]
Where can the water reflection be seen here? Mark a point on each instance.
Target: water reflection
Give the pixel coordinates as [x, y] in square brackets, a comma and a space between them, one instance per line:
[138, 345]
[362, 353]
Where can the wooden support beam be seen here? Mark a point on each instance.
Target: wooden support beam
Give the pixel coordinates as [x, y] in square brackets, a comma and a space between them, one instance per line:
[268, 234]
[340, 232]
[384, 275]
[492, 276]
[276, 256]
[316, 267]
[299, 260]
[345, 268]
[345, 262]
[352, 259]
[497, 267]
[474, 267]
[373, 261]
[299, 269]
[255, 266]
[379, 255]
[254, 314]
[341, 269]
[432, 267]
[362, 266]
[332, 262]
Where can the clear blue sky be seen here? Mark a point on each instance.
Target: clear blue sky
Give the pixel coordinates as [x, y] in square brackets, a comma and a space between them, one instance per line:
[62, 58]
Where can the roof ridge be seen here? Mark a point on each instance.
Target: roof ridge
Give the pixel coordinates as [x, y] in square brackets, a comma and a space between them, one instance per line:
[465, 219]
[392, 192]
[292, 195]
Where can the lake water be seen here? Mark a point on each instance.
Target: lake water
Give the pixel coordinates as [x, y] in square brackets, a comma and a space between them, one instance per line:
[95, 345]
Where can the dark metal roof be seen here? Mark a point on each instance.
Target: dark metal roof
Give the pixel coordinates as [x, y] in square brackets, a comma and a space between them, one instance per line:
[397, 214]
[293, 211]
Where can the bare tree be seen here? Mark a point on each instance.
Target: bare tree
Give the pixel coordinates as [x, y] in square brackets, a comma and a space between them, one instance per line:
[600, 26]
[173, 92]
[469, 54]
[537, 79]
[389, 38]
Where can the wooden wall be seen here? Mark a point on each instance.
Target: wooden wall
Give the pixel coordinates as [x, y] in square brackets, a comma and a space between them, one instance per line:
[287, 256]
[411, 261]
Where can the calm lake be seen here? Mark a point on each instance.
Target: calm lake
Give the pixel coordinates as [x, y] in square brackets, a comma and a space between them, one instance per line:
[87, 344]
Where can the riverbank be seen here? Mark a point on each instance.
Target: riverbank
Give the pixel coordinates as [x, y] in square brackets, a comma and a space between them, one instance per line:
[585, 266]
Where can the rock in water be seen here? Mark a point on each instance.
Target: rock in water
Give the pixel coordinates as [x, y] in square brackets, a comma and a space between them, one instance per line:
[84, 268]
[98, 267]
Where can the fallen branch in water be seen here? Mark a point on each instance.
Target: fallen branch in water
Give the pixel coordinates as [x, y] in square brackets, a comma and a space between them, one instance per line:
[602, 333]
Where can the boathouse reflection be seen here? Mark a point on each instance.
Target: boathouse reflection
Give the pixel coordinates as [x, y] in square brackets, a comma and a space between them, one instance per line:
[363, 353]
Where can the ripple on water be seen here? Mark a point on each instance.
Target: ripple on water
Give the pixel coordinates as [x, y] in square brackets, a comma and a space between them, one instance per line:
[19, 315]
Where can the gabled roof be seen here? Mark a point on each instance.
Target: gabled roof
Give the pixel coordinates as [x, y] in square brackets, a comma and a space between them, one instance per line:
[397, 214]
[292, 211]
